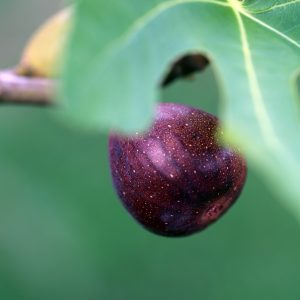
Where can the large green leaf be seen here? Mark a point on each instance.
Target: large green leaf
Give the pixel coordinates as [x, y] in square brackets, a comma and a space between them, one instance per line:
[119, 51]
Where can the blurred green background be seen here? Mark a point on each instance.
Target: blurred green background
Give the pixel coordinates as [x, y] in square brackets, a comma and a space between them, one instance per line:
[65, 235]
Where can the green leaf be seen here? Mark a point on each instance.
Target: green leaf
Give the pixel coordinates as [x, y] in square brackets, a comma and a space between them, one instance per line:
[120, 50]
[281, 15]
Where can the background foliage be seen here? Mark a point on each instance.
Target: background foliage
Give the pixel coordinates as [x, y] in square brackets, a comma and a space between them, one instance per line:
[64, 234]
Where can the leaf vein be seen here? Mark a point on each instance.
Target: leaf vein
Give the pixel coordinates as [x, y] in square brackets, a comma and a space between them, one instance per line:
[141, 22]
[290, 40]
[264, 121]
[277, 6]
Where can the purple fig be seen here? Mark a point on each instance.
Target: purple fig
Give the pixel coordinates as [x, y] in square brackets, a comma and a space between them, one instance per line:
[176, 179]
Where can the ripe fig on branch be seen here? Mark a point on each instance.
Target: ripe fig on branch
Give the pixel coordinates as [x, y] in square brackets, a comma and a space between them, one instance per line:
[176, 179]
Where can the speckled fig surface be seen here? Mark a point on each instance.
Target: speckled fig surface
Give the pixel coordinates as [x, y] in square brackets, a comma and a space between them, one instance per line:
[175, 179]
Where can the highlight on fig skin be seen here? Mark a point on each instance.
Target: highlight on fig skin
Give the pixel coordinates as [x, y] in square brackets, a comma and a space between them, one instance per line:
[176, 179]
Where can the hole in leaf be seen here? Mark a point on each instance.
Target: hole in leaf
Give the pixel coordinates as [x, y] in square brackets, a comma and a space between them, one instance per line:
[184, 67]
[200, 90]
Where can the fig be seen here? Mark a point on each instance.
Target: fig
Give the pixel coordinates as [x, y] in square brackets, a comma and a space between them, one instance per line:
[176, 178]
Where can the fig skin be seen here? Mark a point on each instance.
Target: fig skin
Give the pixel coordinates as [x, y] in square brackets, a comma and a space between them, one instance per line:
[176, 179]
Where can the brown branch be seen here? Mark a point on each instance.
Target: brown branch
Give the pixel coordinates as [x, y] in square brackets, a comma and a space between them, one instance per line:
[16, 89]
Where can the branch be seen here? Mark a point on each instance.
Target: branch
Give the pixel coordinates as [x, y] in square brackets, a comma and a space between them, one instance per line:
[18, 89]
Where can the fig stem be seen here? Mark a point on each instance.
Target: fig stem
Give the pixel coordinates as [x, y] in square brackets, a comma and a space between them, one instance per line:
[16, 89]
